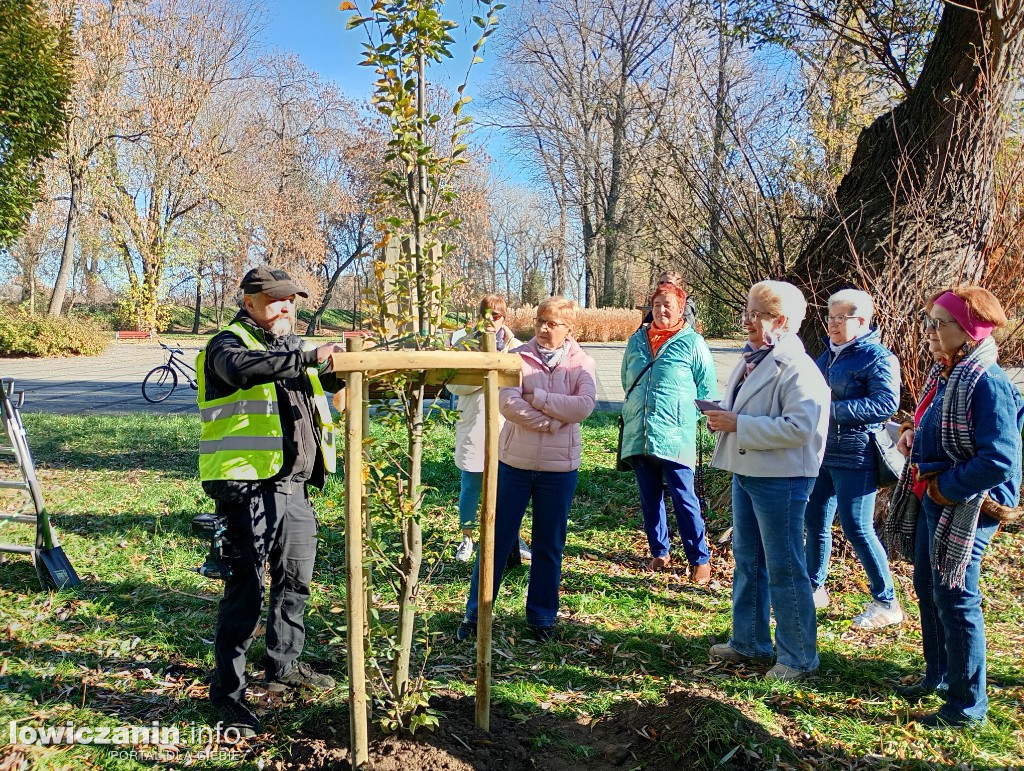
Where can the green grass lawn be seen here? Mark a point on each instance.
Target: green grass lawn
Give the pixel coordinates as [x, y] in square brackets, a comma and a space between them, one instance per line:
[132, 645]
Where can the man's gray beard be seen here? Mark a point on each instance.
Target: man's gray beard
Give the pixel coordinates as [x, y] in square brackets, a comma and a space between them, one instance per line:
[281, 327]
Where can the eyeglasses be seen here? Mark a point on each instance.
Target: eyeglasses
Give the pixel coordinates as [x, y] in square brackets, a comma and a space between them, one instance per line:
[930, 323]
[755, 316]
[541, 323]
[494, 316]
[840, 319]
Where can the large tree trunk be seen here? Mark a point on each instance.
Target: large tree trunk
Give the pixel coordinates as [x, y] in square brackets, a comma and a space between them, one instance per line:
[197, 316]
[718, 153]
[67, 255]
[558, 257]
[611, 224]
[915, 210]
[589, 257]
[28, 283]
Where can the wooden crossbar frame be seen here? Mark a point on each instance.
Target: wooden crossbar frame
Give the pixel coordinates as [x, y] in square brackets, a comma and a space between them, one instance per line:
[486, 367]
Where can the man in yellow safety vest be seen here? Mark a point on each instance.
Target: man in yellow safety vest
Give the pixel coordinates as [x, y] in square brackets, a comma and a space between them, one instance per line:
[267, 433]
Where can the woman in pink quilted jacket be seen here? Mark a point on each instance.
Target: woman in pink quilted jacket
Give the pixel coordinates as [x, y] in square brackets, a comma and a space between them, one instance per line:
[539, 460]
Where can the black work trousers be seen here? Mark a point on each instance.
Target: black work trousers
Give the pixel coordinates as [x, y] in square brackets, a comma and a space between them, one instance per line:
[274, 525]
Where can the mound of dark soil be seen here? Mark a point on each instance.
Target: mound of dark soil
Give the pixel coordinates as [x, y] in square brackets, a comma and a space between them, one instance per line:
[696, 728]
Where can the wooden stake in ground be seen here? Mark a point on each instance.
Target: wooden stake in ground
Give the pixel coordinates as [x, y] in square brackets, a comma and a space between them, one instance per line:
[355, 590]
[485, 600]
[367, 527]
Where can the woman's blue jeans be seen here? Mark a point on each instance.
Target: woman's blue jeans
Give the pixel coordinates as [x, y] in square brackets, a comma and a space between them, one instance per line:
[952, 624]
[551, 493]
[851, 492]
[653, 474]
[768, 545]
[469, 498]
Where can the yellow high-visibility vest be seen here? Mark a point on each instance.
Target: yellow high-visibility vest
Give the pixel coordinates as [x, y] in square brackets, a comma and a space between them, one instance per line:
[241, 433]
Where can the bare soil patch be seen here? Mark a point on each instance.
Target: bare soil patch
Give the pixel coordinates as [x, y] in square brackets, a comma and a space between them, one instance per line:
[681, 733]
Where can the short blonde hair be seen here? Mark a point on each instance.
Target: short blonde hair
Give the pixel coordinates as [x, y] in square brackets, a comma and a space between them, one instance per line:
[781, 299]
[860, 300]
[566, 311]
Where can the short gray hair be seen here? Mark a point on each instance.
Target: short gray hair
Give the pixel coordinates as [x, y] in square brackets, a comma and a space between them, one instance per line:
[783, 299]
[861, 301]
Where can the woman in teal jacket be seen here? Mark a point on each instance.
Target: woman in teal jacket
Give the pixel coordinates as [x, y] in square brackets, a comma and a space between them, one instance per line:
[666, 366]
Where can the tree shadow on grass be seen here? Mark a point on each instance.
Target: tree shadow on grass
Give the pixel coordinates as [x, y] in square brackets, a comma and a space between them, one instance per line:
[714, 713]
[97, 443]
[695, 726]
[136, 523]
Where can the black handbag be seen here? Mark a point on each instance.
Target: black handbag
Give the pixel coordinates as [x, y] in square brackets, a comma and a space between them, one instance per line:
[890, 460]
[621, 464]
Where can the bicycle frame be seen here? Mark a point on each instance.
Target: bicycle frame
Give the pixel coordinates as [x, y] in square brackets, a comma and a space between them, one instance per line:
[181, 366]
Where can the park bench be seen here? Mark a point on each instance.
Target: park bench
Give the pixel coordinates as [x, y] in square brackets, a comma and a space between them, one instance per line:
[135, 334]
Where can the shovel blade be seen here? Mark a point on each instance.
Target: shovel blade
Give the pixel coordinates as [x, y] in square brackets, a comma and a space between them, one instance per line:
[57, 571]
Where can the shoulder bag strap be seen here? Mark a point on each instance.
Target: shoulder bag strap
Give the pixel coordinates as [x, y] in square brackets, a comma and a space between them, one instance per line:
[638, 378]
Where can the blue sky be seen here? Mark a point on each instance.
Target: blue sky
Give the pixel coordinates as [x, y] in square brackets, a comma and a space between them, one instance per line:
[315, 31]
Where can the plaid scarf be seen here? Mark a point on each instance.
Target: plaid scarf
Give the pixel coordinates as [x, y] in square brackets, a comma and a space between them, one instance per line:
[752, 358]
[954, 535]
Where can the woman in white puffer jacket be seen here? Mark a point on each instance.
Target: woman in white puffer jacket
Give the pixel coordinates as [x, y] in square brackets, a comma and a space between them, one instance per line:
[469, 431]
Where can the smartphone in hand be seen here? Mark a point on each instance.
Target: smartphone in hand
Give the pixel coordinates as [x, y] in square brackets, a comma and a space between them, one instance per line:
[707, 406]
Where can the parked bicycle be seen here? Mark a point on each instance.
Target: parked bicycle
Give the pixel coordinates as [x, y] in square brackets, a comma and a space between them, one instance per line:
[161, 381]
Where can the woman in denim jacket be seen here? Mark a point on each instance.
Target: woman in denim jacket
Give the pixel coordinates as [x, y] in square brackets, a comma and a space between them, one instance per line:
[965, 451]
[865, 380]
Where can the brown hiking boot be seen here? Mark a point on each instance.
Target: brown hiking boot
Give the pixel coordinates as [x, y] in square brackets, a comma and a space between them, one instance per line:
[701, 574]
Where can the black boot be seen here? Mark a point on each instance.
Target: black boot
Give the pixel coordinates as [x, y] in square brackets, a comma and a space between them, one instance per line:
[237, 716]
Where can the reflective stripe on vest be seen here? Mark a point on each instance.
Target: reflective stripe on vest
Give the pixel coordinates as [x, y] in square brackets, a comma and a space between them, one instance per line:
[241, 433]
[324, 419]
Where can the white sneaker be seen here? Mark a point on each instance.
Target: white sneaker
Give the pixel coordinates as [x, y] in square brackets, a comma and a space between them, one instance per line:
[876, 615]
[465, 551]
[821, 598]
[524, 551]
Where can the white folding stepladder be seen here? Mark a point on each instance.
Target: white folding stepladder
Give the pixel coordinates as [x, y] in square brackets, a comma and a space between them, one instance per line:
[51, 564]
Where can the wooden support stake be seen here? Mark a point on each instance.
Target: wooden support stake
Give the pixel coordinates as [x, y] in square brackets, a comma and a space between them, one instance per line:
[469, 361]
[357, 609]
[367, 527]
[485, 600]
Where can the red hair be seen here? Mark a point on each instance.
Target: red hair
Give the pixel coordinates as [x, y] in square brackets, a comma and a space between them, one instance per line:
[670, 290]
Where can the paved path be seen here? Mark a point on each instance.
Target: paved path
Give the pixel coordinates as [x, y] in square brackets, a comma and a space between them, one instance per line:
[108, 383]
[608, 358]
[112, 382]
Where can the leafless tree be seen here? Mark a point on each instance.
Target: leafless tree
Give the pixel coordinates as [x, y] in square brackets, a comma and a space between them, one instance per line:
[185, 56]
[570, 86]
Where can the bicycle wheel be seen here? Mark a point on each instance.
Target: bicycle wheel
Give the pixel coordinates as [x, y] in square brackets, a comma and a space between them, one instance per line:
[159, 384]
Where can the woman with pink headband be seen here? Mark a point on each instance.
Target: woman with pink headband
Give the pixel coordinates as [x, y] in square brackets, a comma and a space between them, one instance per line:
[964, 478]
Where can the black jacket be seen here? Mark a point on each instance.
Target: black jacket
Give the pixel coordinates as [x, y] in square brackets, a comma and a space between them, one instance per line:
[230, 366]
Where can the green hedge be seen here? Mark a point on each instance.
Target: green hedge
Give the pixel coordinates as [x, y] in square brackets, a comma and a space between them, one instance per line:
[25, 335]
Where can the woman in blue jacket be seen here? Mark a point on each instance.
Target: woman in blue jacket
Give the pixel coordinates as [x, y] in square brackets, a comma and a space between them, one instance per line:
[666, 366]
[864, 377]
[963, 480]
